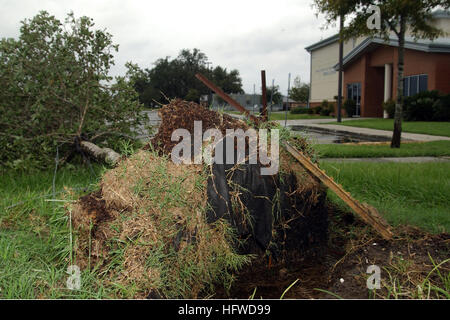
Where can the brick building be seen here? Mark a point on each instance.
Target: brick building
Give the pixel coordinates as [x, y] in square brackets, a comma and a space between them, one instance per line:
[370, 68]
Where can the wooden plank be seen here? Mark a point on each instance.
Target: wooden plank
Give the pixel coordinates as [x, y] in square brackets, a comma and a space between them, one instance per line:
[368, 213]
[225, 97]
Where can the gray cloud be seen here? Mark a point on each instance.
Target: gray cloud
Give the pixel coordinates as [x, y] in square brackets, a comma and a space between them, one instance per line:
[244, 35]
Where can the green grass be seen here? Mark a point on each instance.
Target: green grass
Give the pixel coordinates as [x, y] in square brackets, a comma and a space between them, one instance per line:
[406, 194]
[427, 149]
[37, 243]
[425, 127]
[35, 236]
[35, 248]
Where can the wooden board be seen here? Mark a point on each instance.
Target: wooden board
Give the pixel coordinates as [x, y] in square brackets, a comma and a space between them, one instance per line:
[368, 213]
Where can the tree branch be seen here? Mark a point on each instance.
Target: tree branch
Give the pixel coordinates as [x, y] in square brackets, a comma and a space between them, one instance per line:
[105, 154]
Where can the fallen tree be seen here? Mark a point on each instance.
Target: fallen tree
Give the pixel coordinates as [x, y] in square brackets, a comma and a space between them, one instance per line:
[60, 92]
[100, 154]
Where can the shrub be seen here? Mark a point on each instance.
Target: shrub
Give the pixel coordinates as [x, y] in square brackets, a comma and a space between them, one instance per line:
[441, 109]
[323, 111]
[324, 104]
[311, 111]
[317, 110]
[420, 106]
[350, 107]
[300, 110]
[326, 108]
[389, 107]
[331, 108]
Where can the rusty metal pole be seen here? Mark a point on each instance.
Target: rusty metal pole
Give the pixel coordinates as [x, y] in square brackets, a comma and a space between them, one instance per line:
[264, 95]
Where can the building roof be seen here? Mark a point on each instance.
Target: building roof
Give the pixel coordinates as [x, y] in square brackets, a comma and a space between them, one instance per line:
[438, 14]
[441, 45]
[322, 43]
[441, 14]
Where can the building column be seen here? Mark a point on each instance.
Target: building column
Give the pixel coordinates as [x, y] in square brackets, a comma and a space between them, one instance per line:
[387, 85]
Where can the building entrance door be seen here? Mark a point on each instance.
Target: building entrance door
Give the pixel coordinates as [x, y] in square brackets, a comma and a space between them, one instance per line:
[354, 93]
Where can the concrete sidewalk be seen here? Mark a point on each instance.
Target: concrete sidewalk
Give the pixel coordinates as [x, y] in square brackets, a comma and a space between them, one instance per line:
[299, 122]
[315, 125]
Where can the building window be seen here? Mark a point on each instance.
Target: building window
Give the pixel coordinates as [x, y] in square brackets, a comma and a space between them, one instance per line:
[414, 84]
[354, 93]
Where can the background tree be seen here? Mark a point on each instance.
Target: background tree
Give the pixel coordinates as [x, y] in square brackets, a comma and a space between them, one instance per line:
[397, 17]
[230, 82]
[277, 97]
[175, 78]
[56, 88]
[299, 91]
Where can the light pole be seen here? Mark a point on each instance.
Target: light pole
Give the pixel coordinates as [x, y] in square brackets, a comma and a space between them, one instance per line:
[210, 96]
[287, 99]
[271, 95]
[254, 98]
[341, 53]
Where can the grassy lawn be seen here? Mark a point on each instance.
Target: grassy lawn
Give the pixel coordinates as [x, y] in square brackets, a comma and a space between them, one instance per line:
[425, 127]
[35, 236]
[35, 247]
[427, 149]
[407, 194]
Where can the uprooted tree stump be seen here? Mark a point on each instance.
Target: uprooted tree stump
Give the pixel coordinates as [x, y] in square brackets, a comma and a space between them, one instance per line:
[173, 231]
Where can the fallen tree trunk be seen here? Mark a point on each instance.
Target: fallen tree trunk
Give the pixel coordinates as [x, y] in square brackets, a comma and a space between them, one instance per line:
[104, 154]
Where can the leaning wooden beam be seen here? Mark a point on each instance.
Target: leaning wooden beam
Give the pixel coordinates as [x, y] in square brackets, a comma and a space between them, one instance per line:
[368, 213]
[105, 154]
[225, 97]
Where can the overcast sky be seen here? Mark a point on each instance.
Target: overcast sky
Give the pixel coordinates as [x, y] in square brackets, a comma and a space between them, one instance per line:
[248, 35]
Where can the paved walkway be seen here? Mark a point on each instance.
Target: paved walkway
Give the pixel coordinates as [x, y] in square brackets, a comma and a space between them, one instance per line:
[399, 160]
[317, 125]
[299, 122]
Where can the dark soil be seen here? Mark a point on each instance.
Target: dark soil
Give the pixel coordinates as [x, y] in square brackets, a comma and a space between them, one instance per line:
[95, 207]
[351, 248]
[94, 212]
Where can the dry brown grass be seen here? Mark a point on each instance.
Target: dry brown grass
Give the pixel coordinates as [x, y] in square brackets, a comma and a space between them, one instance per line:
[145, 229]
